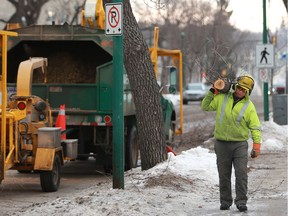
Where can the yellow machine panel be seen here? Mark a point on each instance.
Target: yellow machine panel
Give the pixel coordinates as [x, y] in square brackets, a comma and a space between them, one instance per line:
[44, 159]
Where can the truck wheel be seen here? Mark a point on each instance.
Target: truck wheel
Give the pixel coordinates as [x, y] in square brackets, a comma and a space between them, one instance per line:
[50, 180]
[132, 149]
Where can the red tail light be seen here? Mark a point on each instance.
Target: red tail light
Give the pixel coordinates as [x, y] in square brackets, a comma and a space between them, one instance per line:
[21, 105]
[107, 119]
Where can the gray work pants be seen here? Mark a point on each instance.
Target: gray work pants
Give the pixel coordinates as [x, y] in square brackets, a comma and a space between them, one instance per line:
[236, 154]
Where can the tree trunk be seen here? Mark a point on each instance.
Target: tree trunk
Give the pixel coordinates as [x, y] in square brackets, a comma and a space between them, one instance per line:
[145, 91]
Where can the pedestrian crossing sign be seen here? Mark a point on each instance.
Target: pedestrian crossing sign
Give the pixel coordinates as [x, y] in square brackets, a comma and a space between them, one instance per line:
[264, 56]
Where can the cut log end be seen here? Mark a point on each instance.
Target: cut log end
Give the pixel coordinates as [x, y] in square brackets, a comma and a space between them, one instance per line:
[219, 84]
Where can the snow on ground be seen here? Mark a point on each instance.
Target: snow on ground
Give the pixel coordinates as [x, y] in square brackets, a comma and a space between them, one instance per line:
[186, 184]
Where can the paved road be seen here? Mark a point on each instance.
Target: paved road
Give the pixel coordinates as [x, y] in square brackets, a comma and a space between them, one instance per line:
[19, 190]
[268, 184]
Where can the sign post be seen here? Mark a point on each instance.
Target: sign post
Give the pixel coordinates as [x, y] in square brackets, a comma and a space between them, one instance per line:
[113, 26]
[265, 83]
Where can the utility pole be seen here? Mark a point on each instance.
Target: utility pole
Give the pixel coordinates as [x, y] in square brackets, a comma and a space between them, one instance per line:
[265, 83]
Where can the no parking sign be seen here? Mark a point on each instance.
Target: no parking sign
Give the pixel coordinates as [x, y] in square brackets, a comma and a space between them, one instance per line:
[113, 19]
[263, 74]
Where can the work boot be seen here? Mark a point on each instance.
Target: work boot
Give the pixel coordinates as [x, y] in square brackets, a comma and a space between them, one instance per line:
[242, 207]
[224, 206]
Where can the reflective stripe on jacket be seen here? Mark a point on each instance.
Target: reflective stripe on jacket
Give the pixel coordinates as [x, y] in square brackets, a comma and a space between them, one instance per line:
[233, 123]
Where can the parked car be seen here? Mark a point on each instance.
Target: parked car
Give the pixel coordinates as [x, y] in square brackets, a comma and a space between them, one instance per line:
[194, 92]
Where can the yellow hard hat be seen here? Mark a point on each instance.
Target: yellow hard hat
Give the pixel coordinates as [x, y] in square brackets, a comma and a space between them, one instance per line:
[246, 82]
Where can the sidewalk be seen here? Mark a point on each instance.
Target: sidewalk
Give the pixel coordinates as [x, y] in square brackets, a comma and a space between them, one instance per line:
[268, 184]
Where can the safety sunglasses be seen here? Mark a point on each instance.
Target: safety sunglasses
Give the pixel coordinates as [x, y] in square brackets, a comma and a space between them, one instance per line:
[241, 89]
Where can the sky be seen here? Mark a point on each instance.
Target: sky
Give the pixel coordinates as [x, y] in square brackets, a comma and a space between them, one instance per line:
[248, 14]
[183, 185]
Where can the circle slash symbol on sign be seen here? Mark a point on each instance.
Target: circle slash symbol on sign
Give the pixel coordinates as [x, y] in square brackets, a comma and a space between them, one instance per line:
[113, 17]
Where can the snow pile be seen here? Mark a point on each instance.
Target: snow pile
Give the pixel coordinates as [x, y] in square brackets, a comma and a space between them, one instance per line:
[274, 137]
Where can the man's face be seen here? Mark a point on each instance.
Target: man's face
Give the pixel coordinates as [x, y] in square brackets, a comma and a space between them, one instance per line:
[240, 92]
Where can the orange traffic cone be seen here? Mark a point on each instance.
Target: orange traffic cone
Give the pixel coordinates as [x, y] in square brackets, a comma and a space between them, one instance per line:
[61, 121]
[169, 149]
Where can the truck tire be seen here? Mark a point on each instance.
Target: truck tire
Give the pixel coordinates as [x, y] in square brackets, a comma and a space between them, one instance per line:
[131, 149]
[50, 180]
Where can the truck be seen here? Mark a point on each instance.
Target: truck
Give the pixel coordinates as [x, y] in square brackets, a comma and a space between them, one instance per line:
[79, 74]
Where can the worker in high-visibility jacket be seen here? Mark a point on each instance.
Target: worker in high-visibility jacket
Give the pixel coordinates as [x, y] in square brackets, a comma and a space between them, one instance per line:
[236, 117]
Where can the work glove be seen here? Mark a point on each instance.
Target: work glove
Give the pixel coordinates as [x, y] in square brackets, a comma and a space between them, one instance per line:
[255, 150]
[214, 90]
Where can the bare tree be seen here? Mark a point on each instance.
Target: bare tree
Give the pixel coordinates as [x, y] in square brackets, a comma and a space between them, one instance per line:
[78, 9]
[183, 25]
[27, 12]
[60, 12]
[201, 31]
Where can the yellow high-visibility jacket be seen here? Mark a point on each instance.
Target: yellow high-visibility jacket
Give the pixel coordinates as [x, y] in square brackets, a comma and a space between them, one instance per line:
[233, 124]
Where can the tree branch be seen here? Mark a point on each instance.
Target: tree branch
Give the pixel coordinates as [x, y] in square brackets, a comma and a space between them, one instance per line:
[77, 11]
[2, 20]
